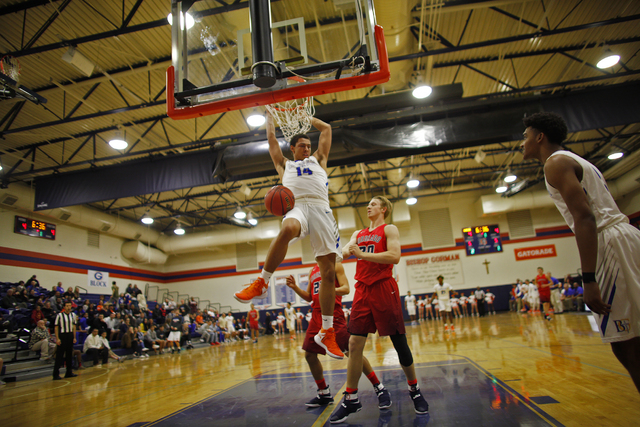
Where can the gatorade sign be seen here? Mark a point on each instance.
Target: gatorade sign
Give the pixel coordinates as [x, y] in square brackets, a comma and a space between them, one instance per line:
[547, 251]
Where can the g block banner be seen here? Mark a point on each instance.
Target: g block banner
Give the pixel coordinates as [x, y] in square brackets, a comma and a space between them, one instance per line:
[98, 282]
[546, 251]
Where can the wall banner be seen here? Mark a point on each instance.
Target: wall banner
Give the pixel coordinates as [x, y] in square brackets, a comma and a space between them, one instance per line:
[98, 282]
[546, 251]
[422, 272]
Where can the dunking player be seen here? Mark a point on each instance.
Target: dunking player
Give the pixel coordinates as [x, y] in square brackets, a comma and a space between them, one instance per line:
[342, 337]
[306, 177]
[376, 305]
[608, 245]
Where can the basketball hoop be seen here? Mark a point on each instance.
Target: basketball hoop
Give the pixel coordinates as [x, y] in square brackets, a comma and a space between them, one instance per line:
[10, 67]
[294, 116]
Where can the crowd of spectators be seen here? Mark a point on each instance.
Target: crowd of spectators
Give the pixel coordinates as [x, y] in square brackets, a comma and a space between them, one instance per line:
[123, 319]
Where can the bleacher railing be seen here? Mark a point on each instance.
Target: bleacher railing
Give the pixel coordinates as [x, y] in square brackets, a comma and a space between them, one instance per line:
[85, 290]
[225, 309]
[204, 304]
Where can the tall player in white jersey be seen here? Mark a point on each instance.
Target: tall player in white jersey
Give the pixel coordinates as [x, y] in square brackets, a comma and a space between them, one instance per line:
[306, 176]
[608, 245]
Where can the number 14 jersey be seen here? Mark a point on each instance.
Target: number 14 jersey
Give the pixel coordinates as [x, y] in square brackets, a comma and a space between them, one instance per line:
[306, 178]
[372, 241]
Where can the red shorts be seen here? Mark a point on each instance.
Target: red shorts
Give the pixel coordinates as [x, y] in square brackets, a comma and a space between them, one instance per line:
[377, 307]
[545, 296]
[253, 325]
[339, 325]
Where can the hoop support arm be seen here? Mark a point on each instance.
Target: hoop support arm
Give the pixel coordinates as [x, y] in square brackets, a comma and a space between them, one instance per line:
[271, 97]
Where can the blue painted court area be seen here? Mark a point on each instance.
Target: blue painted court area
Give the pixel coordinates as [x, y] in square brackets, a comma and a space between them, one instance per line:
[459, 393]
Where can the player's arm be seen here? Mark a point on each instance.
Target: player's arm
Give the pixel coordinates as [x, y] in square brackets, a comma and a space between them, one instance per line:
[345, 249]
[390, 256]
[305, 295]
[341, 276]
[561, 173]
[279, 160]
[324, 143]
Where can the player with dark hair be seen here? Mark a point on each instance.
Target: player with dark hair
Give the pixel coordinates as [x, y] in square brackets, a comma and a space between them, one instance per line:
[608, 245]
[376, 304]
[312, 349]
[306, 177]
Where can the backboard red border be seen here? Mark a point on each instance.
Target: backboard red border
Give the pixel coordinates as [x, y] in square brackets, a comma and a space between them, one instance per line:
[271, 97]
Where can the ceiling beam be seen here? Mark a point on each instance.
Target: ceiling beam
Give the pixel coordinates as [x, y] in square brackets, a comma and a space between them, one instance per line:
[6, 10]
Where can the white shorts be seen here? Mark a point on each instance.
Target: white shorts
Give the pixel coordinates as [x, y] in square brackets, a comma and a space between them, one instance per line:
[444, 305]
[411, 310]
[317, 222]
[618, 275]
[174, 336]
[291, 324]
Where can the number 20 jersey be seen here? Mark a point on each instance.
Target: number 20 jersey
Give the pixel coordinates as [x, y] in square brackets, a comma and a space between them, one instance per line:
[306, 178]
[372, 241]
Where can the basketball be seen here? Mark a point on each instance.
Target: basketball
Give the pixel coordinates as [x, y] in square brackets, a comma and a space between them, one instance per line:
[279, 200]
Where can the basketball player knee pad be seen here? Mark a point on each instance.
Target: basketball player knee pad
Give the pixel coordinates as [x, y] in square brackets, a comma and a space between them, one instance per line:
[402, 348]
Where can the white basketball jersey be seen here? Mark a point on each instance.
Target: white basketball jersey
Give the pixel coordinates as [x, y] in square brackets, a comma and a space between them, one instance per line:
[442, 291]
[602, 204]
[306, 178]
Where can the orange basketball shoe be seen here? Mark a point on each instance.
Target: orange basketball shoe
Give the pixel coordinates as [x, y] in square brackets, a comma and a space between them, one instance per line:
[326, 339]
[257, 289]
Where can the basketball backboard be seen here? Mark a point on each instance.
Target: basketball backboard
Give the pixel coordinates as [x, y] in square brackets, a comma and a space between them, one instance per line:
[247, 58]
[10, 87]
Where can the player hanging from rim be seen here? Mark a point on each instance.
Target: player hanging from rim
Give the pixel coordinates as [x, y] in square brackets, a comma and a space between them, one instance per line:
[306, 177]
[376, 305]
[342, 337]
[607, 243]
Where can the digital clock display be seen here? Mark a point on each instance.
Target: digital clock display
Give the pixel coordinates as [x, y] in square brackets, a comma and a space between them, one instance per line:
[483, 239]
[34, 228]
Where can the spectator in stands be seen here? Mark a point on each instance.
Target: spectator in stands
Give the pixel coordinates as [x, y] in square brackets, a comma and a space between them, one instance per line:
[140, 339]
[166, 306]
[36, 315]
[99, 323]
[567, 297]
[129, 289]
[206, 332]
[69, 293]
[59, 288]
[130, 341]
[23, 298]
[9, 301]
[176, 327]
[33, 281]
[33, 297]
[151, 340]
[185, 337]
[83, 328]
[577, 296]
[76, 293]
[54, 301]
[193, 305]
[115, 292]
[94, 348]
[41, 341]
[105, 342]
[142, 301]
[124, 326]
[159, 314]
[184, 308]
[112, 326]
[135, 291]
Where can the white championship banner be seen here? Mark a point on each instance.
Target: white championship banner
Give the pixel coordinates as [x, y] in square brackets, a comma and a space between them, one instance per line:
[423, 271]
[98, 282]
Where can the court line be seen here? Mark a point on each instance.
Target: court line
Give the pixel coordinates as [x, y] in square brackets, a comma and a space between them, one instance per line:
[324, 416]
[568, 358]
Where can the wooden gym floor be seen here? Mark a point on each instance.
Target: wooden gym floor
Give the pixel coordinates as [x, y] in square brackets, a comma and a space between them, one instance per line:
[502, 370]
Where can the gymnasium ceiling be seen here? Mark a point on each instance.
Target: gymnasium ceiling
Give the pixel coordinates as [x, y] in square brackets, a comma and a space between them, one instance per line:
[493, 48]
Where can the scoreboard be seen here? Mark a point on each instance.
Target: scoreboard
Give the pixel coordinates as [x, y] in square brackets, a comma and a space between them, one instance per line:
[483, 239]
[34, 228]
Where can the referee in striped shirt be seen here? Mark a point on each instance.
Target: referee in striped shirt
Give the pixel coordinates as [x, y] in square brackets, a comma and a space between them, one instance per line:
[65, 338]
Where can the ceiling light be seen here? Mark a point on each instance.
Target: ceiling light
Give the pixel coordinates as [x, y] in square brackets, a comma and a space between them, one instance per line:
[411, 201]
[256, 119]
[179, 230]
[239, 214]
[608, 60]
[502, 189]
[118, 142]
[0, 168]
[147, 220]
[413, 183]
[422, 91]
[251, 220]
[190, 21]
[615, 155]
[510, 177]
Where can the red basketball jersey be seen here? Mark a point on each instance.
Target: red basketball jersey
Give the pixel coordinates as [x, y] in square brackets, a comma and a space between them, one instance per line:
[315, 280]
[541, 279]
[253, 315]
[373, 241]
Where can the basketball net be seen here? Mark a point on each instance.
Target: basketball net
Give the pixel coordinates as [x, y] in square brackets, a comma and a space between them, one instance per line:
[10, 67]
[293, 117]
